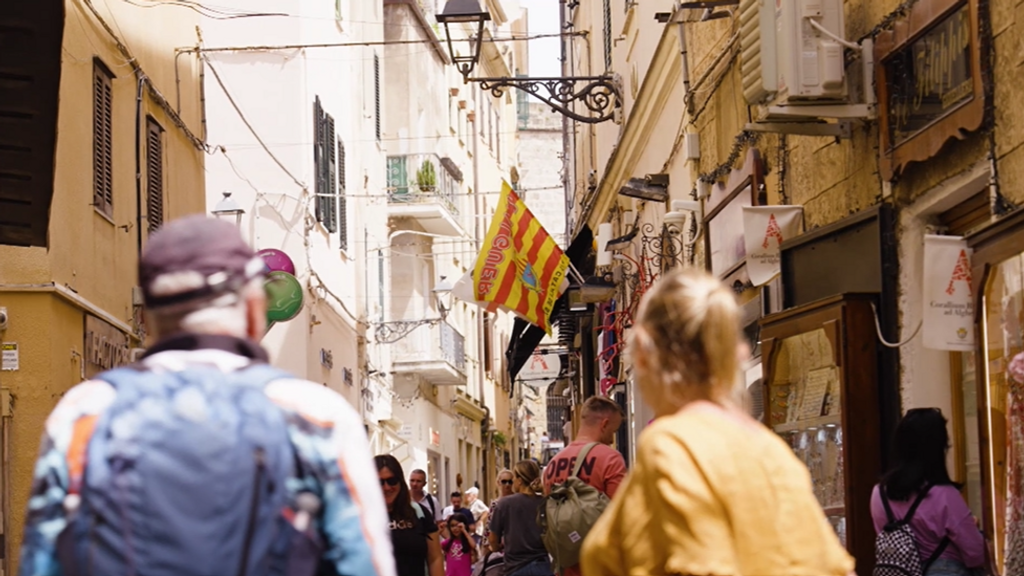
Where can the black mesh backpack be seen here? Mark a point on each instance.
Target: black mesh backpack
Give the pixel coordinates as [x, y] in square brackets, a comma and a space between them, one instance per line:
[896, 552]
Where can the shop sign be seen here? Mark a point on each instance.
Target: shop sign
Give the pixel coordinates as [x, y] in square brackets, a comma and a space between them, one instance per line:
[764, 229]
[948, 294]
[10, 356]
[435, 438]
[106, 346]
[929, 81]
[542, 368]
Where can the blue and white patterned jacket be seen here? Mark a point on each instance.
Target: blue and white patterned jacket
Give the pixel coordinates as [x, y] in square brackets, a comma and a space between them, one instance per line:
[326, 432]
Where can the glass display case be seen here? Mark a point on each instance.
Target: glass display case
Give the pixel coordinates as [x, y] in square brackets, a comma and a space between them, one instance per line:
[821, 396]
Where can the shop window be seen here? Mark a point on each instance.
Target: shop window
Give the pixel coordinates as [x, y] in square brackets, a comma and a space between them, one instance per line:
[102, 138]
[154, 175]
[1003, 395]
[958, 221]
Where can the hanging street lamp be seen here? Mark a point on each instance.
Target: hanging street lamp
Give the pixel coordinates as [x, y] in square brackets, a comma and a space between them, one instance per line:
[600, 95]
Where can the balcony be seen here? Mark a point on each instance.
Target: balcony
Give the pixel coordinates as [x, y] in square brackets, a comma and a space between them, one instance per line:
[436, 353]
[425, 187]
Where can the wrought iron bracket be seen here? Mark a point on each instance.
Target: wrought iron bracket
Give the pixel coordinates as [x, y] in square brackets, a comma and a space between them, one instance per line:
[599, 94]
[391, 332]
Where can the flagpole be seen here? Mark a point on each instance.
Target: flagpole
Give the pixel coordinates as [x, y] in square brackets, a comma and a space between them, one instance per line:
[574, 272]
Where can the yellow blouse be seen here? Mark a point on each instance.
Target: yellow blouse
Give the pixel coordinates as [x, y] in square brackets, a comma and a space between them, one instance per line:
[714, 494]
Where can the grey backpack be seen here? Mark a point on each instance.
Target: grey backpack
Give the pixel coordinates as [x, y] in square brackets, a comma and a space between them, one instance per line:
[185, 474]
[568, 514]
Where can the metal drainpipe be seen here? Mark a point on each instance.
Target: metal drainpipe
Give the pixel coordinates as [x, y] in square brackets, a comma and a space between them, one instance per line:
[477, 234]
[684, 63]
[567, 158]
[138, 163]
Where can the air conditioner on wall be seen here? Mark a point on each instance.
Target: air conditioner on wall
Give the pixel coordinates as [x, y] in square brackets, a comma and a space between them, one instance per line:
[793, 66]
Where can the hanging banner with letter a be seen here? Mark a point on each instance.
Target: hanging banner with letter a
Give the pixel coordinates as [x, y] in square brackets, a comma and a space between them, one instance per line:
[764, 229]
[948, 294]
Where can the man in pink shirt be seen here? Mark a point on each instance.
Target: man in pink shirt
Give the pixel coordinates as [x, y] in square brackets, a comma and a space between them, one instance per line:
[604, 468]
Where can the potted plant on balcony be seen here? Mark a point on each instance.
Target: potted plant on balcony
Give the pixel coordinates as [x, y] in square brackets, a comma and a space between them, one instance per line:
[426, 177]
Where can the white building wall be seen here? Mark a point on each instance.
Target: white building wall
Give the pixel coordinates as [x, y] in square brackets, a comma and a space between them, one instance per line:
[430, 113]
[275, 90]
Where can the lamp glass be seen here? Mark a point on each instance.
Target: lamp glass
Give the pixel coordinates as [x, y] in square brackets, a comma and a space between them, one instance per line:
[229, 209]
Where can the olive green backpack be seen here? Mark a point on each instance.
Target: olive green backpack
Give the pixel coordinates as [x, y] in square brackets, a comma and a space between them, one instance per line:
[568, 514]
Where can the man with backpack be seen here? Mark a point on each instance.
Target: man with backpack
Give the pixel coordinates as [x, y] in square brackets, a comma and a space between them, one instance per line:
[417, 484]
[591, 470]
[201, 458]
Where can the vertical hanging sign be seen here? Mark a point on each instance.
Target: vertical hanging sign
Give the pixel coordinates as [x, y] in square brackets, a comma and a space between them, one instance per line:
[764, 229]
[948, 294]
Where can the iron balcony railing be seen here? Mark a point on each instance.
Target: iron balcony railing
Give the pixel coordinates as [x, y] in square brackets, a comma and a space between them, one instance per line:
[453, 347]
[421, 179]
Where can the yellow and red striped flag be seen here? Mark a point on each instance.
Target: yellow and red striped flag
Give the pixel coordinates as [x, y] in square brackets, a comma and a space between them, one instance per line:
[520, 267]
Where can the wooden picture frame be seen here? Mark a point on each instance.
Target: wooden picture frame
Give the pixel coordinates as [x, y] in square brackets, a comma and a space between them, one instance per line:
[747, 179]
[965, 113]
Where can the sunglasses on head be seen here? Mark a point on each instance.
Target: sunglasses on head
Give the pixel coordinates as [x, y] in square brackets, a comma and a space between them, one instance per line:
[507, 482]
[393, 481]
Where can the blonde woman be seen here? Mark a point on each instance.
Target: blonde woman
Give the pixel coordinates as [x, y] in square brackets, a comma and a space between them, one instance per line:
[712, 491]
[514, 529]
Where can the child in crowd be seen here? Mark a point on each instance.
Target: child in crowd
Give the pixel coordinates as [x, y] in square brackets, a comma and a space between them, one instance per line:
[459, 550]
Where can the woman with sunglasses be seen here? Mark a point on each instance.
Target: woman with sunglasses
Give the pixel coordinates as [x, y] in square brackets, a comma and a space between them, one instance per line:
[504, 485]
[514, 528]
[414, 536]
[712, 491]
[947, 536]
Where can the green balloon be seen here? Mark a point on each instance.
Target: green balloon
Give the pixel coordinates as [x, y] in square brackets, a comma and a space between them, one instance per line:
[284, 296]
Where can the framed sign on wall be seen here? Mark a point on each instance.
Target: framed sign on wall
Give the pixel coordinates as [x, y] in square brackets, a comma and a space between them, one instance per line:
[929, 80]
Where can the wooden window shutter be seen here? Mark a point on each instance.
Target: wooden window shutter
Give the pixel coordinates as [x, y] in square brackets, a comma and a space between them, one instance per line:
[376, 94]
[154, 175]
[319, 161]
[342, 204]
[331, 201]
[102, 139]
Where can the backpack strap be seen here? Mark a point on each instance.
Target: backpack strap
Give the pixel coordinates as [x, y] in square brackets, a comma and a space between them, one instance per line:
[889, 516]
[917, 502]
[935, 555]
[581, 457]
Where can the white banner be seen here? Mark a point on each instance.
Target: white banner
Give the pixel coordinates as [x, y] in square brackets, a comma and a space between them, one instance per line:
[764, 229]
[948, 295]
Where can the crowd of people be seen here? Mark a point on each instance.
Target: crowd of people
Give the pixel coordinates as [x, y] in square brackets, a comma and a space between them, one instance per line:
[201, 459]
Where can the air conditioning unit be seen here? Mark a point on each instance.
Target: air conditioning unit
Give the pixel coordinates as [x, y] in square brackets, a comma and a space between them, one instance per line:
[785, 56]
[793, 67]
[811, 67]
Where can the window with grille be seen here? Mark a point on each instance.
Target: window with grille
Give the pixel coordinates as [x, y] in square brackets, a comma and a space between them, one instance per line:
[325, 165]
[154, 175]
[376, 94]
[102, 138]
[342, 203]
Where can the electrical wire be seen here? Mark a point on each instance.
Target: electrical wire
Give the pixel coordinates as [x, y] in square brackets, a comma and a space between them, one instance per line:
[886, 343]
[830, 34]
[269, 48]
[205, 11]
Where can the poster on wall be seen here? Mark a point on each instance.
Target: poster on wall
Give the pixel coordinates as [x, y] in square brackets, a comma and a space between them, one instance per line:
[948, 294]
[764, 229]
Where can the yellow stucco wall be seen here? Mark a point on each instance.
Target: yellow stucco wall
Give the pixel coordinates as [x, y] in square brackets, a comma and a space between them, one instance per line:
[89, 254]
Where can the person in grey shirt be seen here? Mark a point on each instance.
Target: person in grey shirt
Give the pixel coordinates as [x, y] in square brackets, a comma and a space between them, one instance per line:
[514, 528]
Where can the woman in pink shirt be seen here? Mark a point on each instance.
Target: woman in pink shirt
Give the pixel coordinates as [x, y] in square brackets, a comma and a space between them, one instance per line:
[948, 540]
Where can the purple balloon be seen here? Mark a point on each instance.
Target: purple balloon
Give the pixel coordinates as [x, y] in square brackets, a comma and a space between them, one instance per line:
[277, 260]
